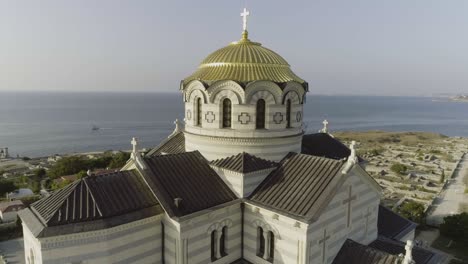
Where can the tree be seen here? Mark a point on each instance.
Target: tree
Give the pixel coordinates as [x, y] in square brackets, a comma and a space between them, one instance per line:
[67, 166]
[6, 186]
[413, 211]
[59, 185]
[398, 168]
[119, 160]
[40, 173]
[81, 174]
[455, 227]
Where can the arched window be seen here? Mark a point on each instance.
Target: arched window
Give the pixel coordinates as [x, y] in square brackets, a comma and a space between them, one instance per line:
[213, 245]
[226, 113]
[288, 113]
[271, 252]
[260, 242]
[199, 111]
[222, 241]
[260, 122]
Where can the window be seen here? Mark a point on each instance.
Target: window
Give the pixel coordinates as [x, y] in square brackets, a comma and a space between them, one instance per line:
[222, 241]
[213, 245]
[199, 111]
[226, 113]
[260, 122]
[260, 242]
[288, 113]
[271, 252]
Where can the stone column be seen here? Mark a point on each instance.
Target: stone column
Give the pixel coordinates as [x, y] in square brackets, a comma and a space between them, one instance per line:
[218, 243]
[267, 245]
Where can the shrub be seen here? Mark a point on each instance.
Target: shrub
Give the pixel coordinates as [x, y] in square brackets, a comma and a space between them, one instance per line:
[414, 211]
[455, 226]
[399, 168]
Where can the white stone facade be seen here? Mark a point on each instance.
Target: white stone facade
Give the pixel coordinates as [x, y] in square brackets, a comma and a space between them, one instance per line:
[280, 134]
[135, 242]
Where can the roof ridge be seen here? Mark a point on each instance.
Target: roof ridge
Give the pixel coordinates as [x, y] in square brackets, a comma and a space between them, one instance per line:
[51, 211]
[90, 191]
[321, 157]
[171, 154]
[162, 143]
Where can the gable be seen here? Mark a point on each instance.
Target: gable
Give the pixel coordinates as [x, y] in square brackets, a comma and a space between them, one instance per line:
[299, 186]
[95, 197]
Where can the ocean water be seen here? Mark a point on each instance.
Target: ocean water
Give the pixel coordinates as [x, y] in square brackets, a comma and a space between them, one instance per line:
[44, 123]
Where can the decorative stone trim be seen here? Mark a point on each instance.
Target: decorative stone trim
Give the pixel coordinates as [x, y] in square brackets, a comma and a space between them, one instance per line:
[218, 97]
[188, 115]
[263, 94]
[195, 86]
[244, 118]
[247, 141]
[256, 86]
[219, 225]
[299, 116]
[96, 235]
[266, 227]
[278, 118]
[210, 117]
[293, 96]
[297, 87]
[230, 86]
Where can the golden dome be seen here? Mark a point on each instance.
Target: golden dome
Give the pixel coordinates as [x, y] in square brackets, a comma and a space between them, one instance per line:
[244, 61]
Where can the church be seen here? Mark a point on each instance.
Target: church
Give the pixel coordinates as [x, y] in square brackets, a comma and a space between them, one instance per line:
[238, 181]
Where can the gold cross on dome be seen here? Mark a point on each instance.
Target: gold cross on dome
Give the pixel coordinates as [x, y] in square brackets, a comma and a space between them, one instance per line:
[244, 18]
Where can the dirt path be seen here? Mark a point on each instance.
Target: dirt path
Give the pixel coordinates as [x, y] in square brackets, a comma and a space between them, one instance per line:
[452, 198]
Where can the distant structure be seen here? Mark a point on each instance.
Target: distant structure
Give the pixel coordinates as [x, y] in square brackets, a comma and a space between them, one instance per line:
[4, 153]
[237, 182]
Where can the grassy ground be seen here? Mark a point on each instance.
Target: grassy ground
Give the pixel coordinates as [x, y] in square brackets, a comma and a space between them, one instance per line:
[379, 137]
[458, 249]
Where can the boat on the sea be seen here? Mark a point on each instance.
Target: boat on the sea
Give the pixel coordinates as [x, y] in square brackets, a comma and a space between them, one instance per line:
[94, 128]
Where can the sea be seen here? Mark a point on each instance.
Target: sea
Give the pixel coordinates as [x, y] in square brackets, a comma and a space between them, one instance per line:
[36, 124]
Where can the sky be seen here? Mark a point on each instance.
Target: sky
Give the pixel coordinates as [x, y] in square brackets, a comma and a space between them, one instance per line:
[361, 47]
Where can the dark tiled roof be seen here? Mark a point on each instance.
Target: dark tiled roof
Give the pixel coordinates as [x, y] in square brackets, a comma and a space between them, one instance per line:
[394, 247]
[187, 176]
[392, 225]
[354, 253]
[244, 163]
[95, 197]
[324, 145]
[300, 185]
[172, 145]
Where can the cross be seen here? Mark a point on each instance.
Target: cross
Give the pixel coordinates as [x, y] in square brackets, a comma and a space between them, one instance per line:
[348, 201]
[134, 144]
[244, 118]
[210, 117]
[278, 118]
[323, 241]
[367, 219]
[176, 123]
[244, 18]
[325, 126]
[352, 158]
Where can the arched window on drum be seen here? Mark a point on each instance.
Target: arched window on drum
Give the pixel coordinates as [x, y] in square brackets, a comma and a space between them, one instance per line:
[199, 111]
[260, 119]
[227, 109]
[288, 113]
